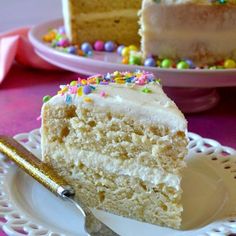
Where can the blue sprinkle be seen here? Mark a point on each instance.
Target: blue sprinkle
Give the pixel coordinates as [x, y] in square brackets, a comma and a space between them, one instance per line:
[92, 87]
[68, 99]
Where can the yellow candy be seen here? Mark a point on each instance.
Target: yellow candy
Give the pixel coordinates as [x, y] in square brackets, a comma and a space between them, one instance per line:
[73, 83]
[80, 91]
[133, 48]
[125, 52]
[229, 64]
[158, 62]
[65, 89]
[125, 60]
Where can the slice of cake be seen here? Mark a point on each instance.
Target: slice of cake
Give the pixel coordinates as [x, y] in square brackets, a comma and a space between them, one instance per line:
[203, 31]
[120, 141]
[87, 21]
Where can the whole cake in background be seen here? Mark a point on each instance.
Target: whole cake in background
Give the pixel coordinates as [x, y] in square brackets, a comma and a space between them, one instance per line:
[120, 142]
[90, 20]
[199, 30]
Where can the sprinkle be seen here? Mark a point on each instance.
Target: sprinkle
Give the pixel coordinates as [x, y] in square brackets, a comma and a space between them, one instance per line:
[87, 99]
[73, 89]
[73, 83]
[39, 117]
[87, 89]
[80, 91]
[146, 90]
[103, 94]
[46, 98]
[68, 99]
[83, 81]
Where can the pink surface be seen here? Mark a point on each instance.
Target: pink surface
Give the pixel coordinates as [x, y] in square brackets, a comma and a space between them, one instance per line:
[21, 98]
[14, 45]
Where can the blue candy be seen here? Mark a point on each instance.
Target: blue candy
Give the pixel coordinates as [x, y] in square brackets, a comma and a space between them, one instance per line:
[86, 47]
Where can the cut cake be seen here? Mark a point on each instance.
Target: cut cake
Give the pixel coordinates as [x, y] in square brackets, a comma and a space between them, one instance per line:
[120, 142]
[199, 30]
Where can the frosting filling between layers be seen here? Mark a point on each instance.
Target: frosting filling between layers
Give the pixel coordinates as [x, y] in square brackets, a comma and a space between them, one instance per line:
[116, 166]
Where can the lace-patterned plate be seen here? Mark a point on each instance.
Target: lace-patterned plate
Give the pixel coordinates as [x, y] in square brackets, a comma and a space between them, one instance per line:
[27, 208]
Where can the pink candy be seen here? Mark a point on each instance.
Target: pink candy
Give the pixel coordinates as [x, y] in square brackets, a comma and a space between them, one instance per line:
[99, 45]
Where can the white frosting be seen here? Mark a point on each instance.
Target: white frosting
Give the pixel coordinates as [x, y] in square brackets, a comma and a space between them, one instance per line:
[67, 16]
[151, 108]
[173, 2]
[120, 167]
[127, 13]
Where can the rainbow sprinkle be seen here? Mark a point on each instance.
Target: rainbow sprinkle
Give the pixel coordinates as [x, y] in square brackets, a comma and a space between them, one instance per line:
[84, 87]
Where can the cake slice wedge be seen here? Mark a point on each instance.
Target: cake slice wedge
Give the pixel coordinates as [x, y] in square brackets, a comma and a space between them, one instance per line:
[120, 142]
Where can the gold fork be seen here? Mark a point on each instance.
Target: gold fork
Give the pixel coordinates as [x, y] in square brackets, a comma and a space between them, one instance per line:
[46, 176]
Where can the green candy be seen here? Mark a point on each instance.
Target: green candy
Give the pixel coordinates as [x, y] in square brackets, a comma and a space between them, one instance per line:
[46, 98]
[182, 65]
[134, 60]
[166, 63]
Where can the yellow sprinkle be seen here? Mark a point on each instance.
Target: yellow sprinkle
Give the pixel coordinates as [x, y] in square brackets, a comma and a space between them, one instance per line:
[65, 89]
[73, 83]
[83, 81]
[80, 91]
[87, 99]
[120, 81]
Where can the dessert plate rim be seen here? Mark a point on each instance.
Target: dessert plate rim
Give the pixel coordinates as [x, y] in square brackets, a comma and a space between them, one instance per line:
[17, 190]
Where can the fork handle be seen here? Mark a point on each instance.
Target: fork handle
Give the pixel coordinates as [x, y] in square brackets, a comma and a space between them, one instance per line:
[40, 171]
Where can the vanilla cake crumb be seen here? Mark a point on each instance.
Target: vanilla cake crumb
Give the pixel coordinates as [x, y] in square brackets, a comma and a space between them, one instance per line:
[123, 151]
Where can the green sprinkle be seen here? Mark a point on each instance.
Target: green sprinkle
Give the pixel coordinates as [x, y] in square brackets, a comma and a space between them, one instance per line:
[46, 98]
[146, 90]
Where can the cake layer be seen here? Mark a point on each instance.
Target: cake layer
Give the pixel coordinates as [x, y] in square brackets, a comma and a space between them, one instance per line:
[119, 29]
[88, 21]
[127, 142]
[93, 6]
[208, 35]
[123, 195]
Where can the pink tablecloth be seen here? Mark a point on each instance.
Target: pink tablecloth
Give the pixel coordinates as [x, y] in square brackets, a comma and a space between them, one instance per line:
[21, 99]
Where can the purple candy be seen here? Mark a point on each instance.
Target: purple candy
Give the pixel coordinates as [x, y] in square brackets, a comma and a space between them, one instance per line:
[87, 89]
[71, 50]
[119, 49]
[99, 45]
[190, 63]
[109, 46]
[63, 42]
[150, 62]
[86, 47]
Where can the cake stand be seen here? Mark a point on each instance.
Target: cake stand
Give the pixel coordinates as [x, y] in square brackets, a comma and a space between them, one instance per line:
[193, 90]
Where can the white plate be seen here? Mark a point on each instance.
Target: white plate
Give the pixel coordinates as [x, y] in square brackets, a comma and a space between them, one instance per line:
[27, 208]
[103, 62]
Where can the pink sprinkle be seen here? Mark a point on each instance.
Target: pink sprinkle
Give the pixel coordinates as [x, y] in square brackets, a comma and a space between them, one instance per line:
[39, 118]
[73, 89]
[102, 93]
